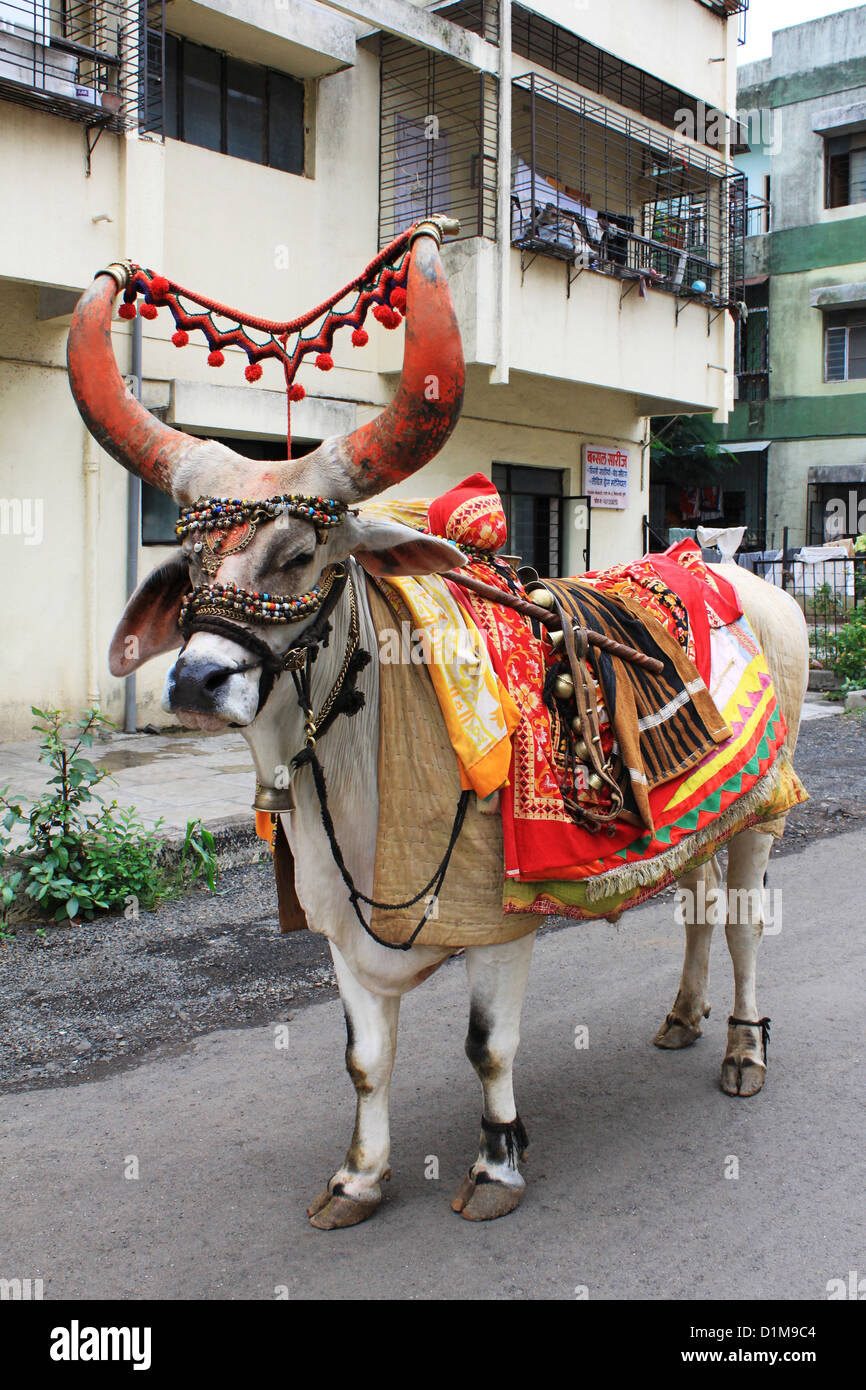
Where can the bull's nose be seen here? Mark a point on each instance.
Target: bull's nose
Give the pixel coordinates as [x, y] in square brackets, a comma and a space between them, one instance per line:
[196, 684]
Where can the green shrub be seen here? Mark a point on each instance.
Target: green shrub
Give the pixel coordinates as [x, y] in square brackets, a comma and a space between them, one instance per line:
[850, 651]
[80, 855]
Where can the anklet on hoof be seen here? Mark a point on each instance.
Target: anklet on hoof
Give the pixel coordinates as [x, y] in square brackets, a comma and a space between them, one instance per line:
[742, 1074]
[513, 1133]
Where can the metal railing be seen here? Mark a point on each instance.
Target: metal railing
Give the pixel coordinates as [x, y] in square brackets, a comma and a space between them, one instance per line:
[756, 217]
[438, 128]
[827, 592]
[595, 187]
[73, 58]
[727, 9]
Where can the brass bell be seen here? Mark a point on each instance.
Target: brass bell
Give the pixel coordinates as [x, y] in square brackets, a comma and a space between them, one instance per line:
[580, 749]
[556, 638]
[563, 687]
[594, 781]
[543, 598]
[274, 799]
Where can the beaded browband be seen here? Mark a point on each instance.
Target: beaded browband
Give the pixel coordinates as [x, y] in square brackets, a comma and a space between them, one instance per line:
[224, 513]
[212, 519]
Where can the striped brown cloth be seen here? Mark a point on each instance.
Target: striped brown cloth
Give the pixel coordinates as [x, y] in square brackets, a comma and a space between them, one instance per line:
[663, 725]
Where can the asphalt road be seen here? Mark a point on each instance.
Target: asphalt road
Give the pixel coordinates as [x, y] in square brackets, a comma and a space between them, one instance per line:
[627, 1190]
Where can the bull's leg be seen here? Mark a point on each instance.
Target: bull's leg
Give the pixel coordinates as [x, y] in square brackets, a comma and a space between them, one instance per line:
[355, 1191]
[683, 1024]
[497, 982]
[744, 1068]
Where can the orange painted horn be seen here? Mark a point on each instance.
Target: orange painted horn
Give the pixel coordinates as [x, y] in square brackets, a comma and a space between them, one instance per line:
[114, 417]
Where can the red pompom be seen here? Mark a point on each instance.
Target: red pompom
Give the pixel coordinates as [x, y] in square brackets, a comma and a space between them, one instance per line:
[253, 371]
[389, 318]
[148, 311]
[296, 392]
[180, 338]
[159, 286]
[398, 299]
[360, 337]
[215, 358]
[127, 311]
[324, 361]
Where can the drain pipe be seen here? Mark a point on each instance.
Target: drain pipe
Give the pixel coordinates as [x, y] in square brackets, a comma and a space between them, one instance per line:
[499, 371]
[91, 565]
[133, 523]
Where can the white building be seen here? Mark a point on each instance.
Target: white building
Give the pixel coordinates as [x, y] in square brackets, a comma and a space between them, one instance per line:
[261, 153]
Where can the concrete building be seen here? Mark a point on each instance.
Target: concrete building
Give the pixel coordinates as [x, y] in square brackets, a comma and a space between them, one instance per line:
[261, 153]
[799, 427]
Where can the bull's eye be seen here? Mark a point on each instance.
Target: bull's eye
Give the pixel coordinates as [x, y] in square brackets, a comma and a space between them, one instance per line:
[299, 561]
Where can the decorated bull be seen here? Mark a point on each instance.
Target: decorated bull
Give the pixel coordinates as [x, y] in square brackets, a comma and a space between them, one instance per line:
[271, 602]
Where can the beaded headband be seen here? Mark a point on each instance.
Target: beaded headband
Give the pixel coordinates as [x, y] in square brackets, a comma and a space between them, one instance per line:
[225, 513]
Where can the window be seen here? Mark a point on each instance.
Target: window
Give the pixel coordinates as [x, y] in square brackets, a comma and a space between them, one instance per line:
[237, 108]
[160, 512]
[533, 503]
[845, 162]
[845, 346]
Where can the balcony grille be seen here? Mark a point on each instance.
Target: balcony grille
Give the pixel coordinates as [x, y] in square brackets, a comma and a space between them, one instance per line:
[727, 9]
[438, 138]
[593, 186]
[72, 58]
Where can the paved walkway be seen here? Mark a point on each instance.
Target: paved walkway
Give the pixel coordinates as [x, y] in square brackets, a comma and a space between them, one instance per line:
[174, 776]
[816, 707]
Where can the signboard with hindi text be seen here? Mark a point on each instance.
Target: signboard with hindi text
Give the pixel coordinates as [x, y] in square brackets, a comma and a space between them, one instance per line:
[605, 475]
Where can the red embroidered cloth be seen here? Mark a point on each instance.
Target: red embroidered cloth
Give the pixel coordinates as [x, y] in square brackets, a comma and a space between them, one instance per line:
[541, 840]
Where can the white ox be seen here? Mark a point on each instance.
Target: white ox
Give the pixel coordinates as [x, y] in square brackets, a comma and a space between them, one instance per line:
[215, 682]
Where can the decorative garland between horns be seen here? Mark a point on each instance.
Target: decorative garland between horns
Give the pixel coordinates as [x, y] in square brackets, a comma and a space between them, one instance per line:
[380, 287]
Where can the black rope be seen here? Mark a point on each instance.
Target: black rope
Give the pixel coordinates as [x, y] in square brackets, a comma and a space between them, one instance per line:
[308, 756]
[762, 1023]
[514, 1134]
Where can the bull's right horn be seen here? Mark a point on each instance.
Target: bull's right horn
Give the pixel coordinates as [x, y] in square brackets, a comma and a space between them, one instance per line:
[119, 423]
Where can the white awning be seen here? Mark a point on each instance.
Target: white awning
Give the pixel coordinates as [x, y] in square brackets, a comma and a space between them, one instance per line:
[745, 446]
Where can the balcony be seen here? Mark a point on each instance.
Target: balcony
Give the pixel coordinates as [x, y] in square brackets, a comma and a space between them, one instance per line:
[727, 8]
[73, 58]
[602, 191]
[627, 243]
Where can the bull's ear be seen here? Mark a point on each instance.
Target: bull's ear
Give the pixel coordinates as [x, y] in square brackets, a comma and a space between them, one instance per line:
[387, 547]
[149, 622]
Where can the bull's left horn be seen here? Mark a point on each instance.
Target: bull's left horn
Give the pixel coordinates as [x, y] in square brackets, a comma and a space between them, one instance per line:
[426, 407]
[114, 417]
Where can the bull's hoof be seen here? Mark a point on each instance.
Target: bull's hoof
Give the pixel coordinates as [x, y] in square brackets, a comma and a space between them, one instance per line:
[676, 1032]
[333, 1211]
[744, 1069]
[483, 1198]
[742, 1076]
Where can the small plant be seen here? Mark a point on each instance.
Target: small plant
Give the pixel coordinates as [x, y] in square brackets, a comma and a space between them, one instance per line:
[850, 651]
[79, 855]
